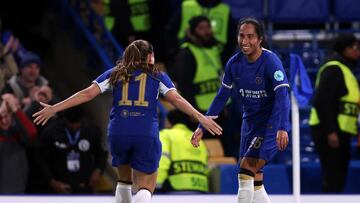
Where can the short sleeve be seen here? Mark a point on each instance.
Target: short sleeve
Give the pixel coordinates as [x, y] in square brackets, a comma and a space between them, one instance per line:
[277, 73]
[103, 81]
[165, 83]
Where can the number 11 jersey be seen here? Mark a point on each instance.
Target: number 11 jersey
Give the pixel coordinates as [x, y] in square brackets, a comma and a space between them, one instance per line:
[134, 105]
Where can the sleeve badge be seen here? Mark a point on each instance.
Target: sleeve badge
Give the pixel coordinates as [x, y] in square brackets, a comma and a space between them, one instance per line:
[279, 75]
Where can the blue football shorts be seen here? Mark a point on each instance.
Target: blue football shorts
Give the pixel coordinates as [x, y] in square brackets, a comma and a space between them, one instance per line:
[259, 146]
[141, 152]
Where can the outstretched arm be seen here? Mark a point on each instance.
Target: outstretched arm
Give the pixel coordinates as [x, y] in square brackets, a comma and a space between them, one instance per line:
[180, 103]
[215, 108]
[85, 95]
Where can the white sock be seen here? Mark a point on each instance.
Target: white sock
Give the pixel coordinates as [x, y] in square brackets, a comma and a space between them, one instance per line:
[142, 196]
[123, 193]
[246, 191]
[260, 196]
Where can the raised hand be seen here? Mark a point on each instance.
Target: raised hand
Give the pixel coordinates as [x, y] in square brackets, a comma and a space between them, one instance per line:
[42, 116]
[195, 139]
[11, 102]
[210, 125]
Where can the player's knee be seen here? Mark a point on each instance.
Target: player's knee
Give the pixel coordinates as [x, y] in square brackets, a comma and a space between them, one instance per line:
[246, 174]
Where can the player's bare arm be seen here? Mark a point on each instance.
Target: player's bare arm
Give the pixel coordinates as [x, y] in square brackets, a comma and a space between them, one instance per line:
[85, 95]
[180, 103]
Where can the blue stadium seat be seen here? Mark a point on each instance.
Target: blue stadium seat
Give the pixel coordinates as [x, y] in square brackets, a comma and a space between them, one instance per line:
[310, 178]
[228, 179]
[347, 10]
[246, 8]
[304, 11]
[276, 179]
[353, 180]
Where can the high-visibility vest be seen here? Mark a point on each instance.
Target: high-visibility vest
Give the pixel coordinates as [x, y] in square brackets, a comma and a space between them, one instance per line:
[109, 20]
[219, 18]
[140, 16]
[207, 76]
[182, 165]
[348, 105]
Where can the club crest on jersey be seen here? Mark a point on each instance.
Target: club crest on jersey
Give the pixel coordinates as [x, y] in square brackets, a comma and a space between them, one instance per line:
[258, 80]
[278, 75]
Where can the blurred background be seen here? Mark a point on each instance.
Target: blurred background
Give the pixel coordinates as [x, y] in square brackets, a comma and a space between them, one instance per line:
[73, 41]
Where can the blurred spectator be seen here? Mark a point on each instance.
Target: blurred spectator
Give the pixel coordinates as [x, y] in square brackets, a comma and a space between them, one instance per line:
[72, 156]
[36, 182]
[27, 84]
[140, 19]
[334, 115]
[17, 132]
[8, 66]
[24, 18]
[198, 67]
[182, 168]
[31, 88]
[221, 20]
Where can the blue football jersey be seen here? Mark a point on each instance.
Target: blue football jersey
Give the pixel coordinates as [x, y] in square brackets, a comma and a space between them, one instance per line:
[256, 82]
[134, 106]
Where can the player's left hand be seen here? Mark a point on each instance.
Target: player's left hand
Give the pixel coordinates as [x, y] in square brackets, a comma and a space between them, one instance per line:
[41, 117]
[195, 139]
[282, 139]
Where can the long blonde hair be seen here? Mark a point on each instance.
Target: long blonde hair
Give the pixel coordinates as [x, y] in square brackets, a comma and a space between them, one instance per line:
[134, 58]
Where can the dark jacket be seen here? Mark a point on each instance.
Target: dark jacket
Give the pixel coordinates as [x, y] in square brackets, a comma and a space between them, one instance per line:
[328, 93]
[13, 160]
[55, 148]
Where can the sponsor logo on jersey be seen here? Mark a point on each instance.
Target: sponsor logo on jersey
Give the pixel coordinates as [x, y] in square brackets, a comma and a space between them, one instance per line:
[125, 114]
[253, 93]
[279, 75]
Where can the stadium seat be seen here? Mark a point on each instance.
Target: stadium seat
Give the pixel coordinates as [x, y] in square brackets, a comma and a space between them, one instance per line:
[304, 11]
[246, 8]
[276, 179]
[216, 153]
[310, 178]
[223, 179]
[353, 179]
[347, 10]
